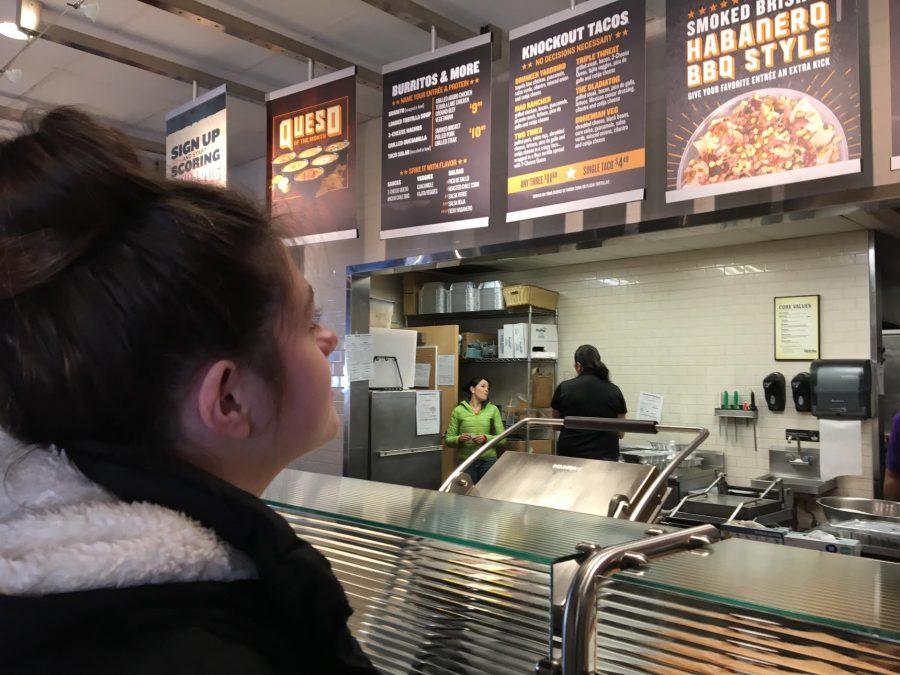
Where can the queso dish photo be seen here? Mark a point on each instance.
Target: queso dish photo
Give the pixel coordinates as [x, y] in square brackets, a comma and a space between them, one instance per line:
[759, 133]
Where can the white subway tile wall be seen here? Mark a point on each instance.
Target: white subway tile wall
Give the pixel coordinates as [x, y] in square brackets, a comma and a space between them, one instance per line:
[690, 325]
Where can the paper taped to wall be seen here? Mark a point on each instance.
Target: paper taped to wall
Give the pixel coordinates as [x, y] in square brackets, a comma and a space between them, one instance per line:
[840, 448]
[358, 350]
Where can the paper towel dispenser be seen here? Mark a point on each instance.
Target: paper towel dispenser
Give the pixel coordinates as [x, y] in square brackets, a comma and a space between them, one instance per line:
[842, 388]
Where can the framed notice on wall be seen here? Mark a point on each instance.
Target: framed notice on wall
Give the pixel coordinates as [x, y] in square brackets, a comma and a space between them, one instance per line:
[311, 166]
[576, 110]
[760, 94]
[797, 328]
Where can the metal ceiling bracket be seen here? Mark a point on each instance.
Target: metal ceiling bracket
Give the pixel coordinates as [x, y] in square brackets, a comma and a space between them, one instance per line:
[247, 31]
[153, 64]
[423, 18]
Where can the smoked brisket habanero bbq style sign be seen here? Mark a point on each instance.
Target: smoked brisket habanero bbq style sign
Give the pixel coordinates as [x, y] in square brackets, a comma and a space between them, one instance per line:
[196, 140]
[761, 93]
[576, 110]
[312, 158]
[436, 131]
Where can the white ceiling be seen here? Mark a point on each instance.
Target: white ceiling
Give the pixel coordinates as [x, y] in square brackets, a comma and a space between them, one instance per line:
[137, 100]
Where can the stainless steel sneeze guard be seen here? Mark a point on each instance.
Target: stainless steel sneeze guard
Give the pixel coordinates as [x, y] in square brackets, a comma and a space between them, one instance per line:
[443, 583]
[648, 502]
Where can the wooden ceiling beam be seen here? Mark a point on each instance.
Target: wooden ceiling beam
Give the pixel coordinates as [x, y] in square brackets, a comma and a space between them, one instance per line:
[145, 145]
[424, 18]
[247, 31]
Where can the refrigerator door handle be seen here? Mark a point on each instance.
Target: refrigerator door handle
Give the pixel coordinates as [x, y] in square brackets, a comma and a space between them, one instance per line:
[407, 451]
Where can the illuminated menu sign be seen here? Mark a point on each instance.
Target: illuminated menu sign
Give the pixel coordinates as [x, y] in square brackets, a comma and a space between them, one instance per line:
[312, 159]
[577, 110]
[761, 93]
[436, 131]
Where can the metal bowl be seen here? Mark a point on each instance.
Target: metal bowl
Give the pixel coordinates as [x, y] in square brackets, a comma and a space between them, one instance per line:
[839, 509]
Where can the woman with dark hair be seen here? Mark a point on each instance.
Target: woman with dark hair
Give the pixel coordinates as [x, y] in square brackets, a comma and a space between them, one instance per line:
[472, 424]
[590, 394]
[160, 363]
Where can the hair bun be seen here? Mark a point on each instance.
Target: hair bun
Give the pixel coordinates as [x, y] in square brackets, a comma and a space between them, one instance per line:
[61, 184]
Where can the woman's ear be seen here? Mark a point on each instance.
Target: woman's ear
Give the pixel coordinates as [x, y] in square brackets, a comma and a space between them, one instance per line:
[222, 401]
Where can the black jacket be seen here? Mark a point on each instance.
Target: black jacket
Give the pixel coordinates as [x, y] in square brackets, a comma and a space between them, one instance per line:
[292, 619]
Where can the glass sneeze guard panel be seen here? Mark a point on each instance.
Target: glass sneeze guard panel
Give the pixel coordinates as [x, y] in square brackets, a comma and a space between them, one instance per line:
[533, 533]
[845, 592]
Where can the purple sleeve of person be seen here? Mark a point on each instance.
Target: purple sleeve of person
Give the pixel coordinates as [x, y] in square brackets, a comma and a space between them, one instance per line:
[893, 449]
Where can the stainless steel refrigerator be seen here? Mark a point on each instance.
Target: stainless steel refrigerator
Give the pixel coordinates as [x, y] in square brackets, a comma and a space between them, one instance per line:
[396, 454]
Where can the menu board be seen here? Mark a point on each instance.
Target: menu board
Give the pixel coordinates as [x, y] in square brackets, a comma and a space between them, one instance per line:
[196, 139]
[436, 131]
[895, 83]
[761, 93]
[312, 159]
[797, 328]
[576, 110]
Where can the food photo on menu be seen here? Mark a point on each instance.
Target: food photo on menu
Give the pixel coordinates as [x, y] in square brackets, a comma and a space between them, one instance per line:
[764, 94]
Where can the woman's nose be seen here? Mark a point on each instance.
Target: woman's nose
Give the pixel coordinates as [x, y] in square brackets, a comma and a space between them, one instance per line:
[327, 341]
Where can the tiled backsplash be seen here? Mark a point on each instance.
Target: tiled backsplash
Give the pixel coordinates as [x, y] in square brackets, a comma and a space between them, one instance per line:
[690, 325]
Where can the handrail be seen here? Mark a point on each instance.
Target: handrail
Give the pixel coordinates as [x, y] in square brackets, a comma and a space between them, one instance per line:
[580, 613]
[471, 459]
[644, 504]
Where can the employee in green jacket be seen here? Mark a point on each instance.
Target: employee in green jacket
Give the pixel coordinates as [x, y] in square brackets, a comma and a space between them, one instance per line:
[472, 424]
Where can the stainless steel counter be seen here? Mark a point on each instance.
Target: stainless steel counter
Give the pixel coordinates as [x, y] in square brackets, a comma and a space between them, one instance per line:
[460, 584]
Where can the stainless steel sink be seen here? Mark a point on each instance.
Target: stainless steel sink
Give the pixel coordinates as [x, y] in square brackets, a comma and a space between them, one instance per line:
[799, 484]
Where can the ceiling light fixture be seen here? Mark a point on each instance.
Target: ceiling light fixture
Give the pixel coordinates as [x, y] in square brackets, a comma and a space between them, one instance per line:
[11, 30]
[28, 18]
[90, 9]
[14, 75]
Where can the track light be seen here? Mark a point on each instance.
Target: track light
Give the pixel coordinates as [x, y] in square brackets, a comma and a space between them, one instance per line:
[90, 9]
[11, 30]
[26, 22]
[14, 75]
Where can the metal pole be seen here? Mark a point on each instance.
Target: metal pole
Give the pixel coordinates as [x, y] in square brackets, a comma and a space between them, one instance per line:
[572, 4]
[194, 91]
[310, 67]
[433, 38]
[580, 612]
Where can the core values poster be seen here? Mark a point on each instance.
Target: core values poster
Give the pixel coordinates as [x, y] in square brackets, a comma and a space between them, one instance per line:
[577, 110]
[895, 82]
[436, 131]
[761, 93]
[312, 159]
[196, 140]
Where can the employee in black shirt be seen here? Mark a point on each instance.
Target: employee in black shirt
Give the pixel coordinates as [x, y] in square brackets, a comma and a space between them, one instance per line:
[591, 394]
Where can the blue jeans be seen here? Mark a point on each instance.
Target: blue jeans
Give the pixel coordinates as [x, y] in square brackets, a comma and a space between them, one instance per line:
[480, 467]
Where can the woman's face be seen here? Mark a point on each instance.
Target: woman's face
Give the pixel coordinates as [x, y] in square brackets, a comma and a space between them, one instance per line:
[306, 418]
[481, 391]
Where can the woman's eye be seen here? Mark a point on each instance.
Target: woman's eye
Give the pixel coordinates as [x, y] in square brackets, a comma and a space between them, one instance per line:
[317, 317]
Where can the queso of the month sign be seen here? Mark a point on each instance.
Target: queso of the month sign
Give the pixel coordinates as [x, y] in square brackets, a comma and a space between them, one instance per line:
[761, 93]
